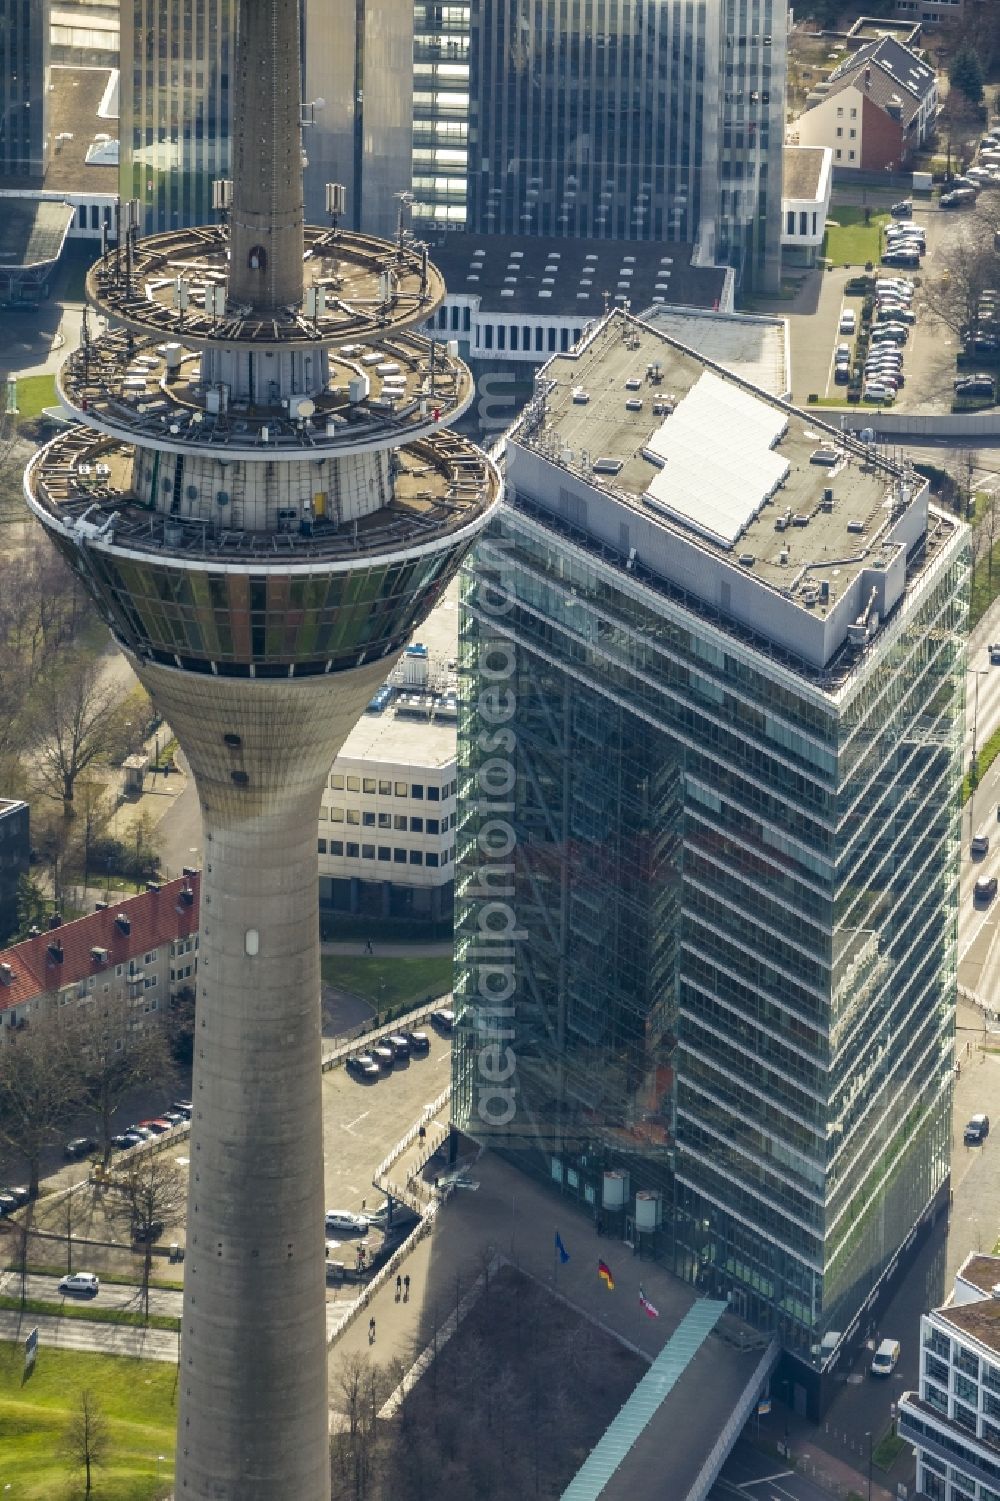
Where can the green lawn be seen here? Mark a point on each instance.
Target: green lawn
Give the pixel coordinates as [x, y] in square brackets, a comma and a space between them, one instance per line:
[96, 1315]
[34, 393]
[849, 241]
[137, 1398]
[389, 982]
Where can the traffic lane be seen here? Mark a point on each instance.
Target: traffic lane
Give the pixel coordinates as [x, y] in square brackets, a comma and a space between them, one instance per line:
[814, 335]
[363, 1121]
[749, 1475]
[125, 1296]
[83, 1334]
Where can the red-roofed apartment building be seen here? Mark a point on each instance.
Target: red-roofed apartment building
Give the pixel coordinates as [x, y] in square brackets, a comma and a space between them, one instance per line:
[142, 949]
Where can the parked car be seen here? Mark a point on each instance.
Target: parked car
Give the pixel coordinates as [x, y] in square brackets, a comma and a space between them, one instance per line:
[122, 1142]
[900, 258]
[383, 1055]
[977, 386]
[158, 1126]
[342, 1221]
[21, 1193]
[140, 1131]
[877, 392]
[995, 662]
[958, 198]
[848, 321]
[985, 889]
[419, 1042]
[903, 209]
[183, 1107]
[8, 1203]
[173, 1117]
[88, 1284]
[443, 1020]
[362, 1066]
[80, 1146]
[976, 1131]
[841, 375]
[399, 1044]
[842, 354]
[886, 1358]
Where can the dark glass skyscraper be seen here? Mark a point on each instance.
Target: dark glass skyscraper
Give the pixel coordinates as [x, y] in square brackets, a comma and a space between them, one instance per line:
[24, 68]
[659, 121]
[706, 880]
[175, 103]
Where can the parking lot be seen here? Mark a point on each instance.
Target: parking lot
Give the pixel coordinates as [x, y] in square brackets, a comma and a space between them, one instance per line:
[930, 348]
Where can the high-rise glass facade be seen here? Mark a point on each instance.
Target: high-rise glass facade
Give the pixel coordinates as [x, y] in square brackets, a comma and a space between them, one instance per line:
[441, 41]
[632, 121]
[707, 914]
[24, 69]
[175, 106]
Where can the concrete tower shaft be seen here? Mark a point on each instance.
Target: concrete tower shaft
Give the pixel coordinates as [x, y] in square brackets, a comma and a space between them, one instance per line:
[253, 1386]
[267, 221]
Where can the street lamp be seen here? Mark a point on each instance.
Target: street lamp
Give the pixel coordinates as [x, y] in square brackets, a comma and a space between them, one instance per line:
[869, 1438]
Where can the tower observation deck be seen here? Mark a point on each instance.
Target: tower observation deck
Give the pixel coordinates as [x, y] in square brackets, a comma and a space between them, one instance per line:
[261, 494]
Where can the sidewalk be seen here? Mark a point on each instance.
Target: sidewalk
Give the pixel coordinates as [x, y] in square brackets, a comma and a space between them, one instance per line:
[824, 1456]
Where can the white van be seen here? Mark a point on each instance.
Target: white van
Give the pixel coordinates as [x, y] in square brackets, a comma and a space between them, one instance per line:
[886, 1358]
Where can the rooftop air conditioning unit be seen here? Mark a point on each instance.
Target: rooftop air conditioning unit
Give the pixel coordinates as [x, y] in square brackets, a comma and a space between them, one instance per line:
[122, 923]
[99, 955]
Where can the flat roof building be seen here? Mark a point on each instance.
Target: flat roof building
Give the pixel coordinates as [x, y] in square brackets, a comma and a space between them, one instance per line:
[953, 1419]
[387, 822]
[711, 683]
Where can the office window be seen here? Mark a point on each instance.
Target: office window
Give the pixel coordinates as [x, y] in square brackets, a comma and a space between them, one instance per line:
[416, 857]
[431, 858]
[336, 815]
[368, 785]
[321, 846]
[337, 780]
[416, 826]
[399, 857]
[352, 851]
[354, 784]
[353, 816]
[803, 223]
[399, 822]
[434, 794]
[417, 790]
[840, 131]
[850, 156]
[384, 787]
[368, 852]
[384, 852]
[385, 820]
[790, 222]
[838, 153]
[400, 789]
[368, 819]
[433, 826]
[852, 133]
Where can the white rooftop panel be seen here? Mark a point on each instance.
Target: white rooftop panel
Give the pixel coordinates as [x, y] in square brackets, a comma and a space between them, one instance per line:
[719, 467]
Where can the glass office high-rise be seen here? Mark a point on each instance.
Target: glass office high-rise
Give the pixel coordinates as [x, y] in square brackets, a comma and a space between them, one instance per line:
[24, 68]
[706, 876]
[631, 121]
[175, 104]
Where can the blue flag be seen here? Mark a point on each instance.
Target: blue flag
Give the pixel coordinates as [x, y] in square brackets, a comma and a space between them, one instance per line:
[563, 1253]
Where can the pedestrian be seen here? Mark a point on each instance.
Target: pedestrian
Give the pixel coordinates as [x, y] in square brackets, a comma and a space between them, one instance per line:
[368, 946]
[406, 1288]
[371, 1330]
[399, 1287]
[364, 1205]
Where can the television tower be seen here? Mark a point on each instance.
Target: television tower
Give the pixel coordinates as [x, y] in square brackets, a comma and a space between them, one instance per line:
[262, 497]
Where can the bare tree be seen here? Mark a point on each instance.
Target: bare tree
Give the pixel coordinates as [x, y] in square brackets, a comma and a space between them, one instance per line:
[989, 526]
[87, 1438]
[148, 1193]
[117, 1051]
[360, 1391]
[78, 718]
[40, 1089]
[966, 269]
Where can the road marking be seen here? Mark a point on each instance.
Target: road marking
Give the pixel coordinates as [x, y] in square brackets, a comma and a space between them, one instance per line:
[766, 1479]
[357, 1121]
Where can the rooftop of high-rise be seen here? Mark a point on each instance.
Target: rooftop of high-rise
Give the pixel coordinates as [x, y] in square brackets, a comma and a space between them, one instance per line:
[785, 529]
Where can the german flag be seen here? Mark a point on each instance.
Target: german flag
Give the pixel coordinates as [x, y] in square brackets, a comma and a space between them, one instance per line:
[604, 1272]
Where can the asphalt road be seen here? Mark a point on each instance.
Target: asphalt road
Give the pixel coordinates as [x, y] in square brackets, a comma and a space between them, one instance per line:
[112, 1294]
[749, 1475]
